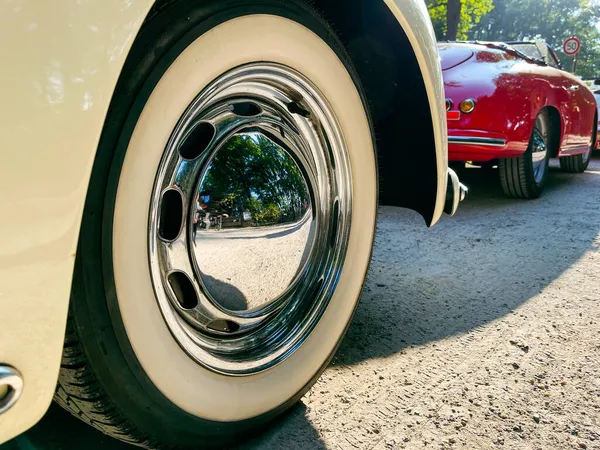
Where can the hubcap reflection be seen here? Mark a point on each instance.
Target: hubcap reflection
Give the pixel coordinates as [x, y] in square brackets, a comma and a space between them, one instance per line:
[250, 218]
[538, 156]
[253, 218]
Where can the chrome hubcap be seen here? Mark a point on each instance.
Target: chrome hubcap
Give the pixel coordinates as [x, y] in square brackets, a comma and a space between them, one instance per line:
[249, 219]
[538, 156]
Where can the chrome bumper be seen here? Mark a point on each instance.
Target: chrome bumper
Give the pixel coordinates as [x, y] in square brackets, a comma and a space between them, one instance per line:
[470, 140]
[455, 193]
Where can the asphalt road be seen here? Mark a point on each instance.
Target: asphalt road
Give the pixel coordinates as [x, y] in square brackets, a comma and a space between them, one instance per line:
[482, 332]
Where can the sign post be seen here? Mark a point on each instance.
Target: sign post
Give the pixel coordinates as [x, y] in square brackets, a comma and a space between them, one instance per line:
[571, 47]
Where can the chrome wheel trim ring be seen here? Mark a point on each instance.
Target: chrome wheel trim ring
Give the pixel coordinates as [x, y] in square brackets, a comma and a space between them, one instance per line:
[539, 153]
[281, 107]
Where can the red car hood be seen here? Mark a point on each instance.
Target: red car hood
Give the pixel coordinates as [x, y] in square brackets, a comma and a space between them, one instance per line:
[453, 56]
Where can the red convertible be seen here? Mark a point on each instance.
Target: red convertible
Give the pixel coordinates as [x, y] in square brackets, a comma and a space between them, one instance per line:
[512, 105]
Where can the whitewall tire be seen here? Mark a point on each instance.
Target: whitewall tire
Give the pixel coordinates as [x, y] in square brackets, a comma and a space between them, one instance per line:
[137, 347]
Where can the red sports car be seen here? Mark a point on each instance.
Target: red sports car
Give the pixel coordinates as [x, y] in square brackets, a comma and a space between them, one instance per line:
[512, 105]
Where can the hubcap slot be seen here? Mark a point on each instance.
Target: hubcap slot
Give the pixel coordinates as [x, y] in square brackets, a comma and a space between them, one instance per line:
[171, 215]
[197, 141]
[245, 109]
[183, 289]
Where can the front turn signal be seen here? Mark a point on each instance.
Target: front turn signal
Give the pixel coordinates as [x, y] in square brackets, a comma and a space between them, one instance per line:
[467, 105]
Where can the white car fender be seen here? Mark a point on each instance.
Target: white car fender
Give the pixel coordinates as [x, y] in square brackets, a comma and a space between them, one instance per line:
[414, 19]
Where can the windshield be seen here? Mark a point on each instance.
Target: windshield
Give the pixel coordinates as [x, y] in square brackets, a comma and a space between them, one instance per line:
[512, 48]
[528, 49]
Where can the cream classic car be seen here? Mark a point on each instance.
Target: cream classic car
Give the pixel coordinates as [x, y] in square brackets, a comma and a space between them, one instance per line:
[125, 124]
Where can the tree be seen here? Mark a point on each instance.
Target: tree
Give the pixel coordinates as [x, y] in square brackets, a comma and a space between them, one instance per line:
[549, 20]
[452, 19]
[251, 172]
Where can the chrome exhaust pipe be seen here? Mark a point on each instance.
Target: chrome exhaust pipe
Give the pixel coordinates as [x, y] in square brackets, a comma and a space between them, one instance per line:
[455, 193]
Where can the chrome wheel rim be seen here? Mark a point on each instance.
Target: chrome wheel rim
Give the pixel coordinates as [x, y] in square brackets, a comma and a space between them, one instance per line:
[539, 152]
[250, 219]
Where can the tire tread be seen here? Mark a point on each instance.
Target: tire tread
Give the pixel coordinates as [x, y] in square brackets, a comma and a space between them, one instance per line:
[80, 393]
[573, 164]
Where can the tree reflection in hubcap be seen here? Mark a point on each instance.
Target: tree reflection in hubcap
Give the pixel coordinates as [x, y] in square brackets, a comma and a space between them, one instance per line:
[253, 214]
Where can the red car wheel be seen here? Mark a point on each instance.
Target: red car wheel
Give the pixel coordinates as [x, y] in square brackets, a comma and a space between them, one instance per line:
[578, 163]
[524, 176]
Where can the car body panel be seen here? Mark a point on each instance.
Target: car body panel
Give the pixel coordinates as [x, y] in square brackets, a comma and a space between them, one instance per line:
[67, 58]
[510, 92]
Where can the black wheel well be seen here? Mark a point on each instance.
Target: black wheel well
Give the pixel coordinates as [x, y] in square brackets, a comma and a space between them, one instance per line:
[395, 92]
[555, 129]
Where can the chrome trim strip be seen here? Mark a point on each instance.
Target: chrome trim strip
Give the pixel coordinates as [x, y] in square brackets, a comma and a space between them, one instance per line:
[574, 147]
[470, 140]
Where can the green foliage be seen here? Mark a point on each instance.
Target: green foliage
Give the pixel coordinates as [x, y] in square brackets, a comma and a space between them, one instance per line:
[265, 214]
[252, 173]
[471, 13]
[513, 20]
[549, 20]
[229, 200]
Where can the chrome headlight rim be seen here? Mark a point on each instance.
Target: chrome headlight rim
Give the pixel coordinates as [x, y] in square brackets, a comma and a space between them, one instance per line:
[449, 104]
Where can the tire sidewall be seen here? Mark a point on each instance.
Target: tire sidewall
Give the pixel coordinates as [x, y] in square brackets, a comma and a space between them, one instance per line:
[95, 302]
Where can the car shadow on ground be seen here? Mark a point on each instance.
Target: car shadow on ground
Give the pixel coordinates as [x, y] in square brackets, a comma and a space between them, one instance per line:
[229, 296]
[426, 285]
[59, 430]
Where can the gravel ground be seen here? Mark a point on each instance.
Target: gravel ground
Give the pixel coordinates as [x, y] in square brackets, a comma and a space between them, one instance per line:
[231, 258]
[483, 332]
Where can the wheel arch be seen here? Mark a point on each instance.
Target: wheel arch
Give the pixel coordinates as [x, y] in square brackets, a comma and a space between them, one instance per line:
[401, 79]
[398, 66]
[556, 129]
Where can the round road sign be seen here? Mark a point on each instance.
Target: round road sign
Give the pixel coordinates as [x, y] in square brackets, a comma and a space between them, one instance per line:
[572, 46]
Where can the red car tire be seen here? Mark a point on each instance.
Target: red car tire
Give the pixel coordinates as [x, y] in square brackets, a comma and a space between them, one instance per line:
[578, 163]
[525, 176]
